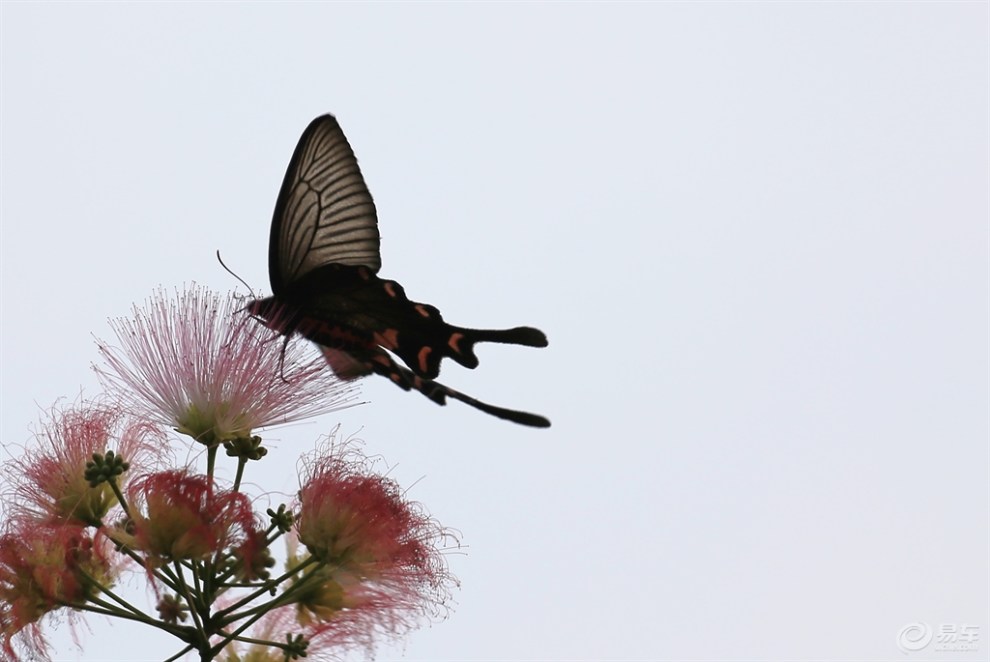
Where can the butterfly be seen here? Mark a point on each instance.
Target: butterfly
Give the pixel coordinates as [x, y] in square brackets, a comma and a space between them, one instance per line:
[323, 262]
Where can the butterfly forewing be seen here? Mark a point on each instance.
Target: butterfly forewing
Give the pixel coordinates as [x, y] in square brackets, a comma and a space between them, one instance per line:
[324, 212]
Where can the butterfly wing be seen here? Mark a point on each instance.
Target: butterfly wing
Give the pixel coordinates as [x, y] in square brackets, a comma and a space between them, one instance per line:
[324, 212]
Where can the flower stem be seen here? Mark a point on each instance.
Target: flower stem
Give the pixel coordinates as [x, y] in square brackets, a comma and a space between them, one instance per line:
[241, 463]
[211, 462]
[194, 606]
[120, 496]
[180, 653]
[223, 613]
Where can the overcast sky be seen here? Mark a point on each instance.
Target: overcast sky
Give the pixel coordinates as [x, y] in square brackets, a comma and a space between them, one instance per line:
[755, 234]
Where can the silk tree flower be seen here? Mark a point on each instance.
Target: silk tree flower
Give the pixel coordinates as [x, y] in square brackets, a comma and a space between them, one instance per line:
[49, 480]
[44, 567]
[176, 515]
[381, 562]
[200, 364]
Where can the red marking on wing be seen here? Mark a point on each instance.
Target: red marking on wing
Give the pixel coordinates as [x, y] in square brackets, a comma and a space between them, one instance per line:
[422, 357]
[421, 309]
[389, 338]
[454, 341]
[390, 288]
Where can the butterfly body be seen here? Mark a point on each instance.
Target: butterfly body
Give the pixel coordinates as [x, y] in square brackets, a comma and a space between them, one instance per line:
[323, 263]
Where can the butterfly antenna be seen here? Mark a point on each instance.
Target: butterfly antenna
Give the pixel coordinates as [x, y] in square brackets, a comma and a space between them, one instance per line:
[228, 270]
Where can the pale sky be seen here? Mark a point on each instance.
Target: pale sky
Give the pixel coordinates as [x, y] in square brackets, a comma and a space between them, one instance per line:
[756, 235]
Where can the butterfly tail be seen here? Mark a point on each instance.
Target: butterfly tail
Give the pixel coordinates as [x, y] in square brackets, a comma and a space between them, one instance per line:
[521, 417]
[462, 341]
[382, 364]
[521, 335]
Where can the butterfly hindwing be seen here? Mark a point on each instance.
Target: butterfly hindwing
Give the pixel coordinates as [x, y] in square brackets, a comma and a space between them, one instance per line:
[377, 309]
[422, 338]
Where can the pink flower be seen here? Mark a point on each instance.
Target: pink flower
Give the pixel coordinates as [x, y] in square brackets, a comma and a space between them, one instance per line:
[44, 567]
[176, 515]
[49, 480]
[202, 366]
[381, 564]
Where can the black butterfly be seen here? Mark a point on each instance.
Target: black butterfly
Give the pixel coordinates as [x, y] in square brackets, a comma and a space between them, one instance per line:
[323, 258]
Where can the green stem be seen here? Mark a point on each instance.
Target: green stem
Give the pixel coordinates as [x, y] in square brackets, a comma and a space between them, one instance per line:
[197, 585]
[106, 609]
[110, 594]
[227, 638]
[223, 613]
[120, 497]
[190, 602]
[211, 462]
[260, 642]
[241, 463]
[163, 575]
[180, 653]
[252, 615]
